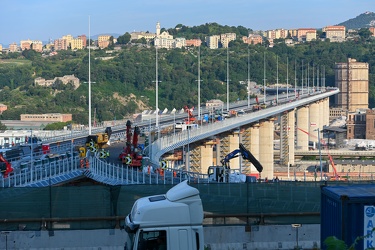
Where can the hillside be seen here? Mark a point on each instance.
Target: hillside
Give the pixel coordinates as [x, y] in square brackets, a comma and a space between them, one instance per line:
[364, 20]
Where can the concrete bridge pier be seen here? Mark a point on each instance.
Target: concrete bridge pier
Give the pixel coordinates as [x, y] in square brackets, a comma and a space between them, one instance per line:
[206, 156]
[228, 143]
[266, 158]
[302, 124]
[250, 139]
[326, 111]
[314, 115]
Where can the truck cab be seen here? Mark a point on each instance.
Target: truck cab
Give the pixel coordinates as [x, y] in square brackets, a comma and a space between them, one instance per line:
[168, 221]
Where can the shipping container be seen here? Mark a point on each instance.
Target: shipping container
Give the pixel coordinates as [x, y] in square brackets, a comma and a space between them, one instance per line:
[347, 212]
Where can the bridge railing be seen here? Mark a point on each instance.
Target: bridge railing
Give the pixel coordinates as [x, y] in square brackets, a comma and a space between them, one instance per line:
[39, 172]
[114, 174]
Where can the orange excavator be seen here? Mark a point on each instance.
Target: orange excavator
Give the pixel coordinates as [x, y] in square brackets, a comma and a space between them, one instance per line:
[5, 166]
[132, 154]
[258, 106]
[191, 118]
[335, 174]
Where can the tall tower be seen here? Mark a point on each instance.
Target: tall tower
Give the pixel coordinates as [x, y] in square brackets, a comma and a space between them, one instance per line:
[158, 29]
[352, 78]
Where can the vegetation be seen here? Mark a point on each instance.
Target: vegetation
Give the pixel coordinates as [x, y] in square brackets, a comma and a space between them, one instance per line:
[120, 84]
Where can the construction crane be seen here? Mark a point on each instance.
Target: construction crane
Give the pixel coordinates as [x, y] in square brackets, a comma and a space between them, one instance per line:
[132, 153]
[191, 118]
[336, 176]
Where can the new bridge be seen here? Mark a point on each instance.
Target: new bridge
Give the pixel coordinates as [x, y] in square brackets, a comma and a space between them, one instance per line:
[255, 130]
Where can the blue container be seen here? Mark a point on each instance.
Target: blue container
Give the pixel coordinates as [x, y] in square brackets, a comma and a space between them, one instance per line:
[343, 214]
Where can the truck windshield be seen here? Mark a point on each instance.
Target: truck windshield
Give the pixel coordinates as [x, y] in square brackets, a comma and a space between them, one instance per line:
[152, 240]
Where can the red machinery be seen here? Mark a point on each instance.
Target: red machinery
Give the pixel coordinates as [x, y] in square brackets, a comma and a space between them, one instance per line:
[191, 118]
[335, 174]
[132, 154]
[5, 166]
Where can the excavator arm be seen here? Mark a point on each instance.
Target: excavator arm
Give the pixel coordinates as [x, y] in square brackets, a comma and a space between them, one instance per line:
[246, 155]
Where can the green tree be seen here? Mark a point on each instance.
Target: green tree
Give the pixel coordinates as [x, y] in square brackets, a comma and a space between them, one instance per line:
[124, 39]
[2, 126]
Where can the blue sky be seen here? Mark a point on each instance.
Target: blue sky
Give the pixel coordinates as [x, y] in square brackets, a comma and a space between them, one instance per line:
[45, 19]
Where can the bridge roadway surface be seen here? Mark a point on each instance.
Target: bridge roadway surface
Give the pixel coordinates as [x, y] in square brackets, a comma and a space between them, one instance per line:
[112, 174]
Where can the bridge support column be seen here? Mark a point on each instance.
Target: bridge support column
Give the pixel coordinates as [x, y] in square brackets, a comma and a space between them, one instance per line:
[266, 131]
[314, 114]
[326, 111]
[303, 124]
[234, 142]
[250, 139]
[287, 128]
[321, 114]
[206, 157]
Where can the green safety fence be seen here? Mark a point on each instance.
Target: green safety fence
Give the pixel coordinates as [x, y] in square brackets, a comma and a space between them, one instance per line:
[99, 206]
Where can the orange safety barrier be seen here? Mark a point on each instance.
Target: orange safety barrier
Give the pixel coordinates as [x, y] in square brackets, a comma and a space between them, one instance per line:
[87, 163]
[82, 163]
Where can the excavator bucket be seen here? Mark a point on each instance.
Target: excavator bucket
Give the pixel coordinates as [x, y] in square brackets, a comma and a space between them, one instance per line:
[250, 157]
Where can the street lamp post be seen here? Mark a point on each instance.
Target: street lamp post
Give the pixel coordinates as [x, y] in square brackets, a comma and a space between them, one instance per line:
[320, 155]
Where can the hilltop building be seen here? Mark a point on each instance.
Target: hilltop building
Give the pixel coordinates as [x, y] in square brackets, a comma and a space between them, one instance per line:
[335, 33]
[13, 47]
[193, 42]
[352, 78]
[253, 39]
[226, 38]
[306, 34]
[103, 41]
[30, 44]
[139, 35]
[65, 80]
[277, 34]
[212, 41]
[51, 117]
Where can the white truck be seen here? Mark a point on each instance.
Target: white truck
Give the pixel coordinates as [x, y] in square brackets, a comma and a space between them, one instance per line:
[168, 221]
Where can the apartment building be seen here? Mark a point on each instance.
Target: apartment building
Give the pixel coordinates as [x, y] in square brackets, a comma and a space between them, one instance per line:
[37, 46]
[193, 42]
[179, 42]
[76, 43]
[103, 41]
[252, 39]
[352, 78]
[13, 47]
[51, 117]
[1, 48]
[84, 40]
[25, 44]
[60, 44]
[68, 39]
[370, 124]
[356, 124]
[212, 41]
[306, 34]
[335, 33]
[226, 38]
[277, 34]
